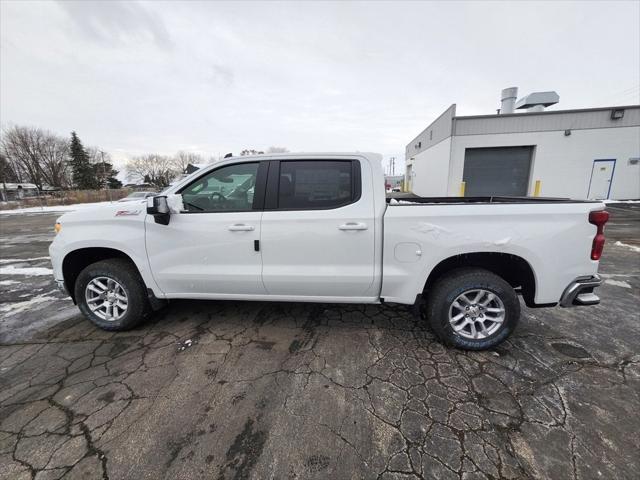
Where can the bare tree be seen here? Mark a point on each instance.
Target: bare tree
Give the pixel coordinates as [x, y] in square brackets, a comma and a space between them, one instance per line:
[36, 156]
[21, 146]
[152, 168]
[277, 150]
[8, 172]
[250, 151]
[54, 154]
[182, 159]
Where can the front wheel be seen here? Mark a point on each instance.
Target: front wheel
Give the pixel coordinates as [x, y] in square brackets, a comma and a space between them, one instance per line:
[111, 294]
[472, 309]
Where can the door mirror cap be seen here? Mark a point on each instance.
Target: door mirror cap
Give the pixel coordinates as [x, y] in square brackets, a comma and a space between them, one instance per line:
[158, 207]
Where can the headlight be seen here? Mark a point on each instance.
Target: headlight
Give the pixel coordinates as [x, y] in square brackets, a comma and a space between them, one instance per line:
[57, 227]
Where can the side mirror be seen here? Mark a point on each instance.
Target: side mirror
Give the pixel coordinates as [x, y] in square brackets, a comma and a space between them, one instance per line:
[158, 207]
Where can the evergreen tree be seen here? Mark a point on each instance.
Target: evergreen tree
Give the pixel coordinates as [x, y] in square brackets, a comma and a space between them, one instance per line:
[113, 182]
[83, 172]
[105, 175]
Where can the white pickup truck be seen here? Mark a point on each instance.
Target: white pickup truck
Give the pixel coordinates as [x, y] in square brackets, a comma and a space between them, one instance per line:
[318, 228]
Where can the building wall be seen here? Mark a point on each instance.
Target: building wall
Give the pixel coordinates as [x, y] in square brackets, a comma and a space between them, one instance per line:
[562, 163]
[441, 128]
[431, 170]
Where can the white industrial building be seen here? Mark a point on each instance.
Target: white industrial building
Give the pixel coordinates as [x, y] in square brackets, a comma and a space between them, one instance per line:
[587, 153]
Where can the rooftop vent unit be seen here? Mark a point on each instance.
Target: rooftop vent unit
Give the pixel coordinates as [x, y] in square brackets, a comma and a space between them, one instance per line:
[537, 101]
[508, 99]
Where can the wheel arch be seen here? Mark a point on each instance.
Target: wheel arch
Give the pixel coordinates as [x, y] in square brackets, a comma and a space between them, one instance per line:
[512, 268]
[77, 260]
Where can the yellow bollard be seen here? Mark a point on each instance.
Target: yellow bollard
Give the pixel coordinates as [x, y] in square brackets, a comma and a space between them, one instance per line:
[462, 187]
[537, 188]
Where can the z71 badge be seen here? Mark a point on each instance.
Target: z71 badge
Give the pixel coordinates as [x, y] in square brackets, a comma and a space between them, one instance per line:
[126, 213]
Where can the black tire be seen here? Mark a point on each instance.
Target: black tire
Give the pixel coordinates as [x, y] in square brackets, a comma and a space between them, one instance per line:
[123, 272]
[450, 286]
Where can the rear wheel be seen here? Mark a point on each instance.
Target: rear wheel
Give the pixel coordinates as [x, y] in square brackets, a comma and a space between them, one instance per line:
[111, 294]
[472, 309]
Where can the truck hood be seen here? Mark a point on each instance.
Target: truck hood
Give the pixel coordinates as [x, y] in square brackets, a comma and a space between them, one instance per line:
[116, 211]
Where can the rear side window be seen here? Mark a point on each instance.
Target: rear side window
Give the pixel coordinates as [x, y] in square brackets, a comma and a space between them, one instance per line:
[317, 184]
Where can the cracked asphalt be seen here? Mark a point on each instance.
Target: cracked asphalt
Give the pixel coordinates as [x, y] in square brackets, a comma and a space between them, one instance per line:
[232, 390]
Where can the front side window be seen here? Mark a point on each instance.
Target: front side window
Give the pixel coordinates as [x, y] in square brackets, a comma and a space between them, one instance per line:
[226, 189]
[315, 184]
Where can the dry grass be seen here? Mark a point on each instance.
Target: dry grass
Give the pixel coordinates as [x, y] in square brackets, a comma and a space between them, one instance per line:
[68, 197]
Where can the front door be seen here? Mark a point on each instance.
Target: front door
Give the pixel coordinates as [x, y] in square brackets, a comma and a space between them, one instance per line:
[601, 177]
[209, 248]
[318, 230]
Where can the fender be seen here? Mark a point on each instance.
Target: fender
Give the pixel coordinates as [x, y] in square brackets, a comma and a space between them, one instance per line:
[105, 227]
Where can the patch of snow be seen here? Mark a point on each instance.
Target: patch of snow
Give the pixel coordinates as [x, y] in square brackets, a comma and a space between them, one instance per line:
[185, 344]
[502, 242]
[5, 283]
[10, 309]
[175, 203]
[620, 201]
[617, 283]
[395, 201]
[18, 260]
[633, 248]
[31, 271]
[53, 208]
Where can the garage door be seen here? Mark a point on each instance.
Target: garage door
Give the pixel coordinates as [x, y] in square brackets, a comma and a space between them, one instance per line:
[497, 171]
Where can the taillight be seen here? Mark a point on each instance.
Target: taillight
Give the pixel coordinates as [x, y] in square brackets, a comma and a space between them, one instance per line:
[598, 219]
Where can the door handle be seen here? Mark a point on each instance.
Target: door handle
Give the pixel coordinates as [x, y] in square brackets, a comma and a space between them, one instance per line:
[353, 226]
[241, 227]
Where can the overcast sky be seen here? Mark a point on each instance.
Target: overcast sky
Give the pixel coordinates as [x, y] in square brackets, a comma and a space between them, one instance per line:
[213, 77]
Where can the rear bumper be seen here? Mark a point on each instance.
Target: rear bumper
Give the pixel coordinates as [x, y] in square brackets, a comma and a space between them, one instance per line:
[580, 292]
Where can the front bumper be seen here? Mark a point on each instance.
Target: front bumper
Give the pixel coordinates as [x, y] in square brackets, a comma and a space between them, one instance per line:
[580, 292]
[61, 286]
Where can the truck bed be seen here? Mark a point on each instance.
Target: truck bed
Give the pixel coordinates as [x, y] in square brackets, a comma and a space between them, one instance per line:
[552, 235]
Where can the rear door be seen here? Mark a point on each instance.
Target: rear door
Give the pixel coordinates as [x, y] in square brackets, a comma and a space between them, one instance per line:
[318, 229]
[209, 249]
[601, 177]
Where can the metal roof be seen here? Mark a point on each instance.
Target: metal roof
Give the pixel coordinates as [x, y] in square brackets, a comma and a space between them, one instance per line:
[552, 112]
[588, 118]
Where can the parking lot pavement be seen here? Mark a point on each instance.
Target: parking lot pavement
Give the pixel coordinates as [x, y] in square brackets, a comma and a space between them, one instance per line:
[278, 390]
